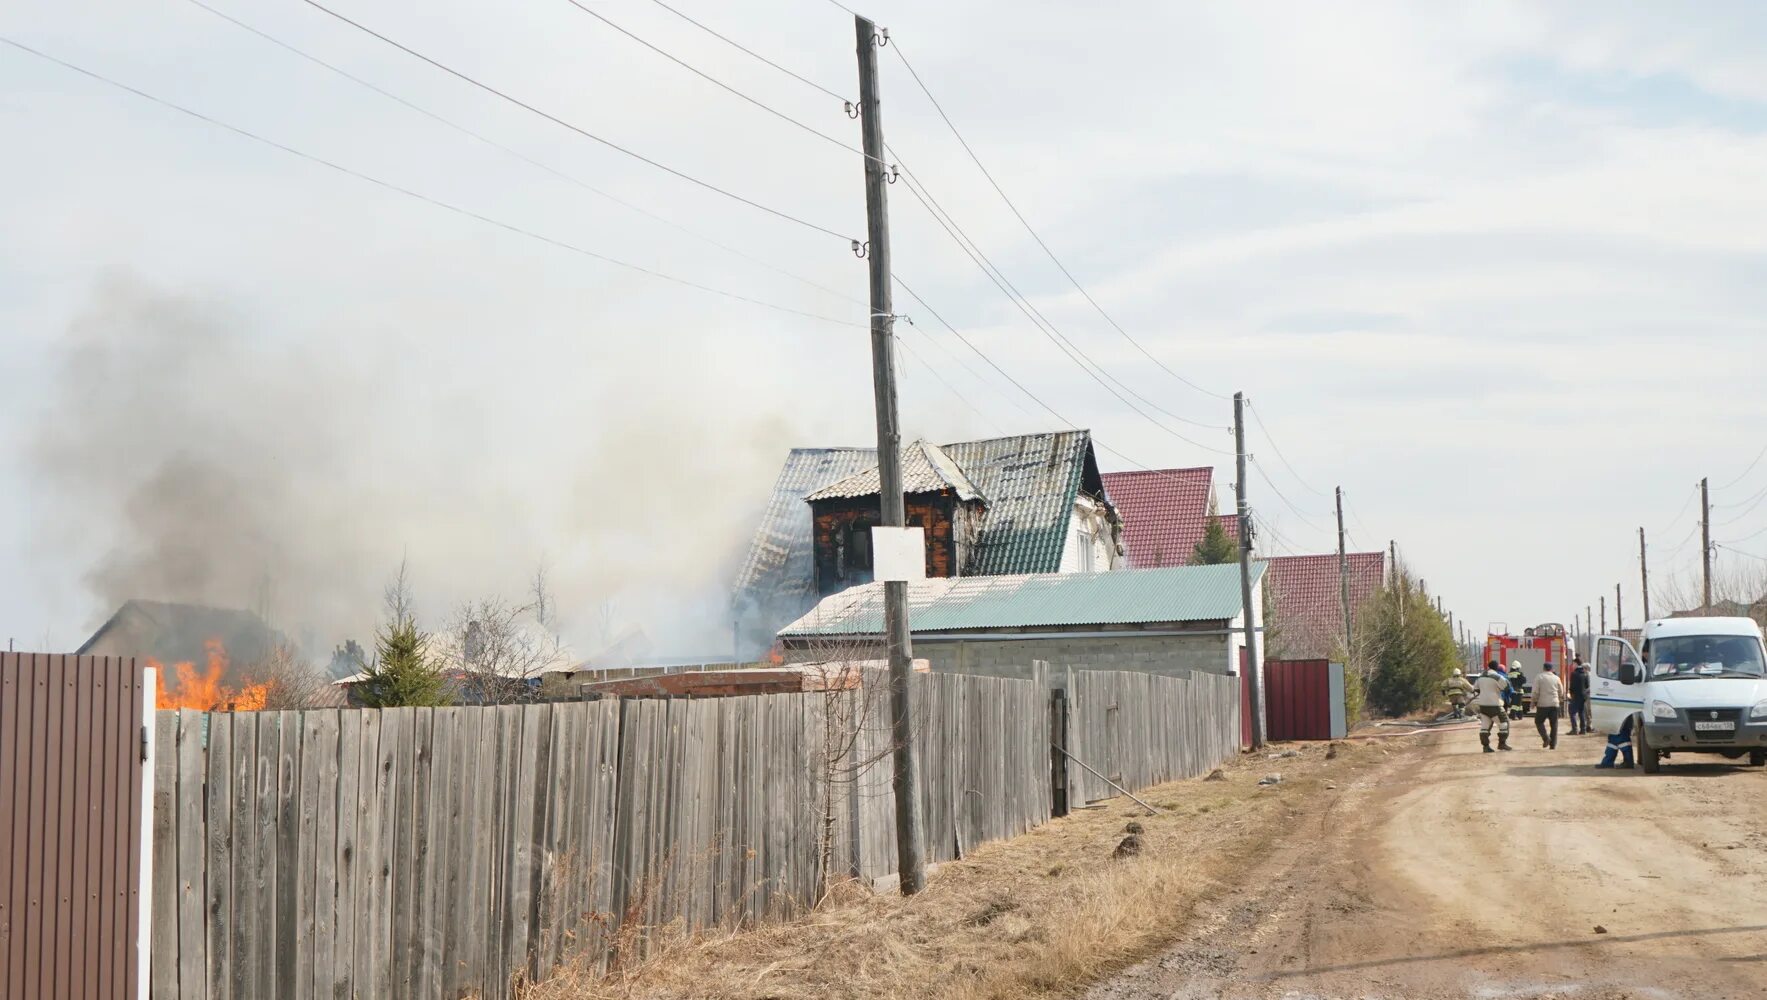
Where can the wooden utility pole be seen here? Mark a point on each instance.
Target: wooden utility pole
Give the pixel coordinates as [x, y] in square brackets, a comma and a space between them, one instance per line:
[910, 851]
[1706, 544]
[1344, 577]
[1619, 617]
[1603, 603]
[1643, 574]
[1589, 623]
[1254, 680]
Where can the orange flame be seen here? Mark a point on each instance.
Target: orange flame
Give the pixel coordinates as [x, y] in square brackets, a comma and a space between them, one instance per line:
[185, 687]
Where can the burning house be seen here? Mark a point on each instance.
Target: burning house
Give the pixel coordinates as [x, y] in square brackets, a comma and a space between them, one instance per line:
[1032, 503]
[208, 658]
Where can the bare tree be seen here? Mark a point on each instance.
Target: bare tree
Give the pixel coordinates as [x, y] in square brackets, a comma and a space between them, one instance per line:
[396, 596]
[500, 648]
[291, 682]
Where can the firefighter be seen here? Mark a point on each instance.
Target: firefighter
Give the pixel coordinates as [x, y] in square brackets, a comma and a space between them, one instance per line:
[1492, 694]
[1457, 689]
[1518, 692]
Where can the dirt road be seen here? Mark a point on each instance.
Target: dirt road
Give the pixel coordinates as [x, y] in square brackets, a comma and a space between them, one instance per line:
[1526, 874]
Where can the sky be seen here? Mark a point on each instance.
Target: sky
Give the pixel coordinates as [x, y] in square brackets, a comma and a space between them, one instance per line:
[1497, 272]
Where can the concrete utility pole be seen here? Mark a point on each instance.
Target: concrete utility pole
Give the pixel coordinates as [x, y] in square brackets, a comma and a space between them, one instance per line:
[1643, 574]
[1344, 576]
[1253, 678]
[1706, 543]
[910, 851]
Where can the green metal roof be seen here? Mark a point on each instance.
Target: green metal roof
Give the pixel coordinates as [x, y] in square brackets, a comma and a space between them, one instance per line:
[963, 604]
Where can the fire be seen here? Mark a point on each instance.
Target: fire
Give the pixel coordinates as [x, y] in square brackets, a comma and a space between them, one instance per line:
[186, 687]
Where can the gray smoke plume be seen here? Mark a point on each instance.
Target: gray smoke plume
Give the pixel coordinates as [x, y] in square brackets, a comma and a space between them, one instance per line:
[192, 458]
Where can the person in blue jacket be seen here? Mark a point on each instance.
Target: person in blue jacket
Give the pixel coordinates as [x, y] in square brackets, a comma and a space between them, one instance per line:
[1619, 745]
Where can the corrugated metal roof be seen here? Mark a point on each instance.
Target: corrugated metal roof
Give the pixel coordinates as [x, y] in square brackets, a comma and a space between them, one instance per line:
[962, 604]
[1165, 512]
[925, 469]
[1029, 483]
[1309, 616]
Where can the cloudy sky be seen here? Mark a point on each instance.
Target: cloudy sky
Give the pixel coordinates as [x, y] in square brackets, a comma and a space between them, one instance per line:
[1497, 272]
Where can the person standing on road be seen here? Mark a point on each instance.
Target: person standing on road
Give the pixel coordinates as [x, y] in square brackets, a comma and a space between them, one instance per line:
[1548, 693]
[1491, 696]
[1458, 689]
[1579, 697]
[1518, 691]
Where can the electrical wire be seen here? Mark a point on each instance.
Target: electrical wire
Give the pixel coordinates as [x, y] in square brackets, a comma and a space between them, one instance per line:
[1751, 503]
[696, 71]
[934, 372]
[1265, 476]
[1751, 555]
[609, 143]
[1745, 473]
[897, 47]
[523, 157]
[1692, 493]
[1064, 421]
[437, 202]
[1747, 537]
[1072, 353]
[743, 48]
[1284, 458]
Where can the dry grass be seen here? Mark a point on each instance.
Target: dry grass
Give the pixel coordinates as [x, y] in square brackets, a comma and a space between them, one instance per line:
[1038, 915]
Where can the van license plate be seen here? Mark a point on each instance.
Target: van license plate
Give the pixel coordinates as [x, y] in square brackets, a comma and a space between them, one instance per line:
[1722, 725]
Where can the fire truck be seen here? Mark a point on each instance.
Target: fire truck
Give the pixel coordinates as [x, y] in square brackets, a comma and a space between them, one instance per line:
[1538, 649]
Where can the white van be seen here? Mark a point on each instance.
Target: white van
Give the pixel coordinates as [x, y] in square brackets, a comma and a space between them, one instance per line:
[1700, 686]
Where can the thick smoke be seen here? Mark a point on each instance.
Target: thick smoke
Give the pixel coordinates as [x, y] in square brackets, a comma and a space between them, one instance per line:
[191, 456]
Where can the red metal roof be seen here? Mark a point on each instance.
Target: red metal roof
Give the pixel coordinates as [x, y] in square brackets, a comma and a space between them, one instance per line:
[1164, 513]
[1309, 612]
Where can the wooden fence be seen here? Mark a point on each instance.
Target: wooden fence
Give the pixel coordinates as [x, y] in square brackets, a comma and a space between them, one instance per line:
[446, 852]
[1141, 729]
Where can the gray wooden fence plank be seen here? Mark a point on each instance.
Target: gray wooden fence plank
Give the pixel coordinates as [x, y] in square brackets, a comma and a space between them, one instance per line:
[460, 798]
[344, 863]
[414, 844]
[242, 977]
[265, 817]
[306, 816]
[192, 839]
[163, 977]
[218, 866]
[368, 859]
[288, 872]
[392, 787]
[326, 746]
[531, 774]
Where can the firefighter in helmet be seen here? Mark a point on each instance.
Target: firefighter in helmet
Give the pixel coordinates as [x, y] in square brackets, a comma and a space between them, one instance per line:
[1491, 695]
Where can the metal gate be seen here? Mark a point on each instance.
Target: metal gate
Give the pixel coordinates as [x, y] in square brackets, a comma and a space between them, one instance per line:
[1305, 700]
[73, 790]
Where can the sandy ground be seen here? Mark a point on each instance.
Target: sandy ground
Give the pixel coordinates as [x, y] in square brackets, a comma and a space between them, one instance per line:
[1453, 873]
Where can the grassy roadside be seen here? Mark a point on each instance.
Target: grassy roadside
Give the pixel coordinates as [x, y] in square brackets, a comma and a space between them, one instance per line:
[1040, 915]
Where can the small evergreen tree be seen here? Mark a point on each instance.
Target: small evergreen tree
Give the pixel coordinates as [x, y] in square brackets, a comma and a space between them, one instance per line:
[403, 673]
[1216, 545]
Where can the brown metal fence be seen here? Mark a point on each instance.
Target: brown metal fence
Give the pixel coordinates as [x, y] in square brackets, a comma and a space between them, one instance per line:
[71, 749]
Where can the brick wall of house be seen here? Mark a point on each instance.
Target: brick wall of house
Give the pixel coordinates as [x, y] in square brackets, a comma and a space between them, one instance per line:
[832, 519]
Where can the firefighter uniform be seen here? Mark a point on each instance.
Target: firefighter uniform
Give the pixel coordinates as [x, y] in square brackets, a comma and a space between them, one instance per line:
[1491, 696]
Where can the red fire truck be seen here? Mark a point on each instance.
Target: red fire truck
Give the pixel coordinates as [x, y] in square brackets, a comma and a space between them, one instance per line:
[1538, 649]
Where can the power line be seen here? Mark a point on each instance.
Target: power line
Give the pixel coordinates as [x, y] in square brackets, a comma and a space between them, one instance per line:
[1073, 353]
[1692, 493]
[1279, 495]
[696, 71]
[743, 48]
[523, 157]
[1745, 473]
[1284, 458]
[930, 370]
[1029, 229]
[487, 88]
[390, 186]
[1753, 502]
[1751, 555]
[1064, 421]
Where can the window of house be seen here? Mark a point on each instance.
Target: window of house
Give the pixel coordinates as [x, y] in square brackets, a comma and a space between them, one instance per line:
[859, 546]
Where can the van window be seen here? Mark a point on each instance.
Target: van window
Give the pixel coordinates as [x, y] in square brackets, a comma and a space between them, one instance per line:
[1680, 656]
